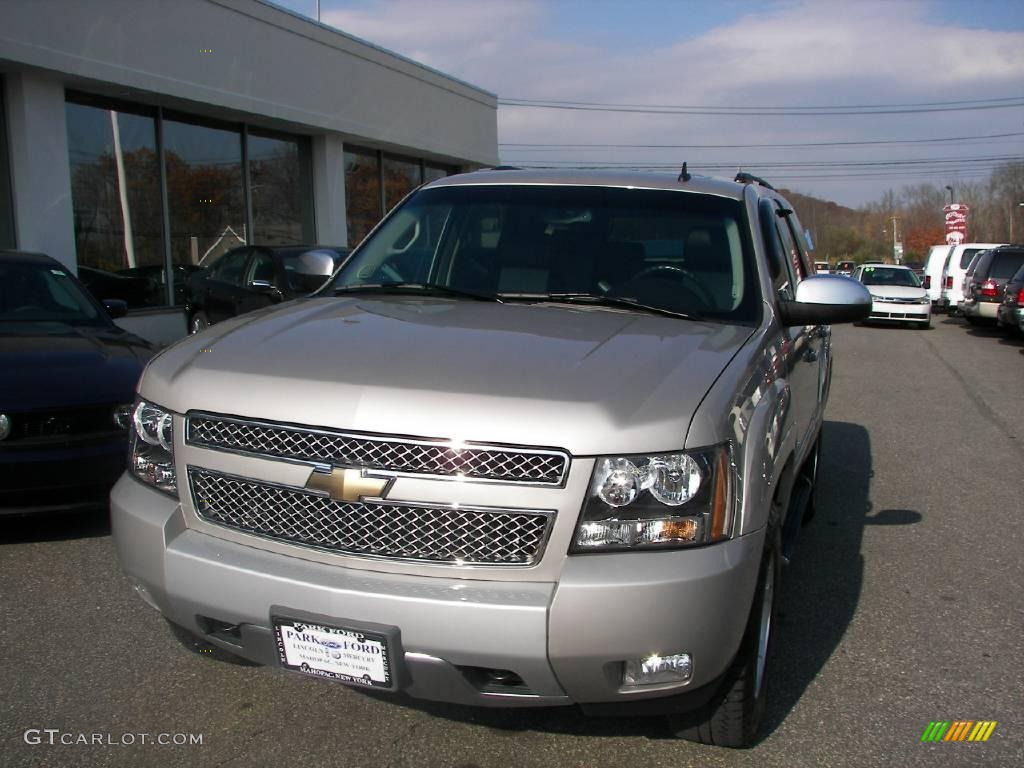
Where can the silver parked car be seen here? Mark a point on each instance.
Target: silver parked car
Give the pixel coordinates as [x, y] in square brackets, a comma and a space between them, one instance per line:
[543, 440]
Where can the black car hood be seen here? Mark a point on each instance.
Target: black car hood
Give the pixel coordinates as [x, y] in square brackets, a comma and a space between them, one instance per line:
[56, 365]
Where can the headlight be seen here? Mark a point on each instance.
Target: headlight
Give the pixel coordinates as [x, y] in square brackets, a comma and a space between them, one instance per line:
[660, 501]
[924, 300]
[152, 447]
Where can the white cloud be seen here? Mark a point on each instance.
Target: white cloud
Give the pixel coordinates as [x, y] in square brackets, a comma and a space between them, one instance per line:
[806, 52]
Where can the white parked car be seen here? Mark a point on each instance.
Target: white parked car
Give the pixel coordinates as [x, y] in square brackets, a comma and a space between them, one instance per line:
[821, 268]
[896, 294]
[956, 269]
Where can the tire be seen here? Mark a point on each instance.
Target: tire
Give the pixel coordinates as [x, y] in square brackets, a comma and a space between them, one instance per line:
[734, 716]
[971, 320]
[924, 326]
[199, 323]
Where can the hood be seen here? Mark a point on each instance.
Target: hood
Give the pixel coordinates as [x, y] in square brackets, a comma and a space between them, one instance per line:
[896, 291]
[56, 365]
[584, 379]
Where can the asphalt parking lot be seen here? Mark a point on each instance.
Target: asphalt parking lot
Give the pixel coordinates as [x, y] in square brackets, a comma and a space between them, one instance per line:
[903, 606]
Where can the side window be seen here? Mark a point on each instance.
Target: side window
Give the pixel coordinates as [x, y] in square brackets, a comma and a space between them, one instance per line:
[797, 251]
[780, 247]
[230, 267]
[261, 267]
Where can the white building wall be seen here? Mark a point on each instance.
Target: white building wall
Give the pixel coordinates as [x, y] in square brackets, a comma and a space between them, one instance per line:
[329, 189]
[264, 64]
[40, 173]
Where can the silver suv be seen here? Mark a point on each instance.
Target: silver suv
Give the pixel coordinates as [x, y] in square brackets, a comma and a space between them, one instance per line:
[542, 440]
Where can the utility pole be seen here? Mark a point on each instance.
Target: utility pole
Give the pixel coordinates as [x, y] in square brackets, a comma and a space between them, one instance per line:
[897, 247]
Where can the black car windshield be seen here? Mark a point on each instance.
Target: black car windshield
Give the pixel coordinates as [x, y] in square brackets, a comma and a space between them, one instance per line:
[889, 276]
[657, 250]
[40, 291]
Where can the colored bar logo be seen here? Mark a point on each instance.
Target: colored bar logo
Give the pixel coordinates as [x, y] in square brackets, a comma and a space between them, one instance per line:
[959, 730]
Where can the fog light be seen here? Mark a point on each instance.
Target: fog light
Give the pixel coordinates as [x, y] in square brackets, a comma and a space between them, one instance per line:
[655, 669]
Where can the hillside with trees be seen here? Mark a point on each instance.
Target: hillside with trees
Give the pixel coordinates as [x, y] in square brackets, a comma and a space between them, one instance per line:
[858, 234]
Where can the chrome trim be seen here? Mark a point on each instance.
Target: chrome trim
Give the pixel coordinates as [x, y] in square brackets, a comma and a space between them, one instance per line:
[318, 462]
[538, 555]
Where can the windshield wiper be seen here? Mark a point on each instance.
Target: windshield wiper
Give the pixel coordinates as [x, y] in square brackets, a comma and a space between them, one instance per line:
[599, 300]
[416, 288]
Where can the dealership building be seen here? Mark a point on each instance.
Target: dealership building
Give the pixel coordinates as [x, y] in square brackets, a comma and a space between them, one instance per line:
[140, 138]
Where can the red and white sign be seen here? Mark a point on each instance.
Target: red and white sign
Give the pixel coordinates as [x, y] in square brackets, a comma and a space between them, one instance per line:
[956, 223]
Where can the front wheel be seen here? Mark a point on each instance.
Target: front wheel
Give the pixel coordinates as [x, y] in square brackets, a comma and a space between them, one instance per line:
[734, 716]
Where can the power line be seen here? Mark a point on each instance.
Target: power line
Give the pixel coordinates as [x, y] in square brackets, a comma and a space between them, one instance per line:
[809, 164]
[960, 102]
[793, 111]
[555, 147]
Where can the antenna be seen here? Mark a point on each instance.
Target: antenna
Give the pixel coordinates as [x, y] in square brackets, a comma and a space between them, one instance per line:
[684, 175]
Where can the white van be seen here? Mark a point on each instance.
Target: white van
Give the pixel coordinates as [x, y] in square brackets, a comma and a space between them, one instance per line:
[956, 267]
[934, 269]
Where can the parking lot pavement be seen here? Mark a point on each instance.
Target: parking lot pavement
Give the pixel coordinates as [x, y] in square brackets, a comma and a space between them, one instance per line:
[902, 607]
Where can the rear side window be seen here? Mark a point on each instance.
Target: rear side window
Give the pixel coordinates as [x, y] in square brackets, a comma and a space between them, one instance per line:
[979, 266]
[229, 268]
[966, 256]
[1005, 265]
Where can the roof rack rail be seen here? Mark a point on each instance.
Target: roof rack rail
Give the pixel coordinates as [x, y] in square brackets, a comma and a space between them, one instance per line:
[743, 177]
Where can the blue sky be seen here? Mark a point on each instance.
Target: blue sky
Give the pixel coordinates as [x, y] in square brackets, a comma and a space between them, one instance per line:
[786, 53]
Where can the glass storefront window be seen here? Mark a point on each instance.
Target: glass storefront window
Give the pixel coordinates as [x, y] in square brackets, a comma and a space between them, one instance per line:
[281, 186]
[362, 193]
[115, 194]
[204, 191]
[118, 202]
[401, 176]
[434, 172]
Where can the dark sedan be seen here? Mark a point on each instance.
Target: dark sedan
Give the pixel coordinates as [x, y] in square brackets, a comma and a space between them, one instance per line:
[69, 376]
[252, 277]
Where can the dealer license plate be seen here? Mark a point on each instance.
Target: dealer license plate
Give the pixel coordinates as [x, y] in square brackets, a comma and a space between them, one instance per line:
[349, 655]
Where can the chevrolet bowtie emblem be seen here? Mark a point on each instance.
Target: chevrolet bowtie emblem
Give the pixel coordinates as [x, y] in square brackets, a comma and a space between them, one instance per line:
[349, 485]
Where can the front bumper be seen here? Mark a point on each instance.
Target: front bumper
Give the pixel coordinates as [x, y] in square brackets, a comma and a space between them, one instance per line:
[903, 313]
[565, 640]
[60, 476]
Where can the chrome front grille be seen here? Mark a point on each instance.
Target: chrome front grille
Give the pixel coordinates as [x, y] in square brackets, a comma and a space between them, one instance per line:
[431, 533]
[400, 455]
[896, 300]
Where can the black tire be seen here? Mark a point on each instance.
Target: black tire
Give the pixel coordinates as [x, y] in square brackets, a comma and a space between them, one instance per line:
[734, 716]
[924, 326]
[198, 323]
[971, 320]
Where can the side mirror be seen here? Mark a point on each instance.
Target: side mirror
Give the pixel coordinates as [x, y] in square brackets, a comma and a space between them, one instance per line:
[826, 300]
[115, 308]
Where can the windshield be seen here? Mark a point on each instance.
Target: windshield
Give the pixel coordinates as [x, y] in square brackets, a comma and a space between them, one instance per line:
[889, 276]
[39, 291]
[670, 251]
